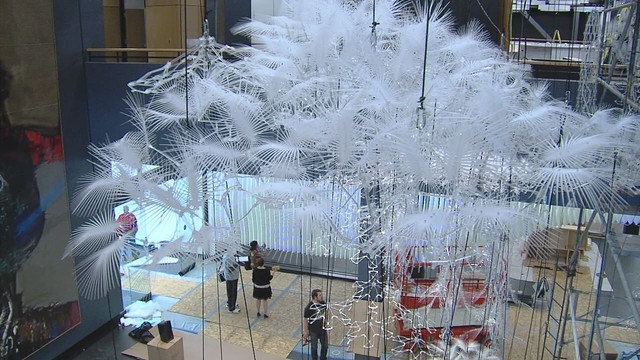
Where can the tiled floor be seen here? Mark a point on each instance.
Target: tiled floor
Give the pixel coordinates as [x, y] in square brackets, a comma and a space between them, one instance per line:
[109, 346]
[197, 306]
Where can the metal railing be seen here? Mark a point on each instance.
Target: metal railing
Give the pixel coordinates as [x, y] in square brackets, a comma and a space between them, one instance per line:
[133, 54]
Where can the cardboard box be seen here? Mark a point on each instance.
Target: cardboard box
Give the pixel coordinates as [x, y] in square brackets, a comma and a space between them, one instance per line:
[609, 352]
[366, 334]
[172, 350]
[569, 236]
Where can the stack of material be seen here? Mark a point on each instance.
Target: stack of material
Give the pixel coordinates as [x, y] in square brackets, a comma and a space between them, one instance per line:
[548, 246]
[609, 352]
[141, 311]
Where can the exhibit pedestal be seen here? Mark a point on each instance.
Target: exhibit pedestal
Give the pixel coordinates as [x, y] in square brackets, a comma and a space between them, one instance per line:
[172, 350]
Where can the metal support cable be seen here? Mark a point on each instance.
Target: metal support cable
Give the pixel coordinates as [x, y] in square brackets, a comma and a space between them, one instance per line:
[421, 116]
[631, 67]
[602, 264]
[574, 331]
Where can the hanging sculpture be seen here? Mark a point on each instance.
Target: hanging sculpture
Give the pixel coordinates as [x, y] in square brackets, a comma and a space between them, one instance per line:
[324, 97]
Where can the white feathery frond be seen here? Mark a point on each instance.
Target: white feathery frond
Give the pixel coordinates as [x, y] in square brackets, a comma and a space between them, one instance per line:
[136, 104]
[413, 159]
[222, 155]
[613, 123]
[127, 153]
[578, 170]
[576, 187]
[250, 29]
[98, 194]
[278, 154]
[577, 152]
[99, 272]
[538, 117]
[92, 236]
[500, 219]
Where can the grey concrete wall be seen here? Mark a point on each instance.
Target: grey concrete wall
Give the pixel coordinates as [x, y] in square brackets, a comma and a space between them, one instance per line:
[616, 304]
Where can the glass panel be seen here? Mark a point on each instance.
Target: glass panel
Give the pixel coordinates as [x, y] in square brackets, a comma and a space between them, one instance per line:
[136, 280]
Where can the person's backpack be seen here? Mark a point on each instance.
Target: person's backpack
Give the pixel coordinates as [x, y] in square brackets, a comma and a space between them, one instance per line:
[141, 333]
[247, 264]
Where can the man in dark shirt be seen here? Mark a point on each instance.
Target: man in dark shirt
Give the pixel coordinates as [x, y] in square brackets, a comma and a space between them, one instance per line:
[315, 318]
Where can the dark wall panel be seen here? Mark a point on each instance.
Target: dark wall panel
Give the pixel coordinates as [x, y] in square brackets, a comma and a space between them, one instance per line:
[550, 21]
[106, 90]
[71, 36]
[234, 12]
[483, 11]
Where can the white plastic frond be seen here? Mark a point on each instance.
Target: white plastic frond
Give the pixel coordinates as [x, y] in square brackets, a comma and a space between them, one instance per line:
[538, 117]
[99, 193]
[99, 272]
[415, 161]
[428, 223]
[500, 219]
[586, 187]
[128, 152]
[221, 155]
[278, 153]
[577, 152]
[92, 236]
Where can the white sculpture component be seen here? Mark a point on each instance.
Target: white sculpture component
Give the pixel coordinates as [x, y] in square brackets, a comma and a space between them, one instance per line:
[317, 100]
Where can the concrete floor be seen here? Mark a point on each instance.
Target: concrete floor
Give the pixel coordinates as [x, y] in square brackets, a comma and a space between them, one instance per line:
[198, 306]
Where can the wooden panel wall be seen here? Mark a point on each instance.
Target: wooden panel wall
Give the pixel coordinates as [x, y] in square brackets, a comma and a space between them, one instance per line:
[111, 26]
[135, 27]
[166, 22]
[27, 49]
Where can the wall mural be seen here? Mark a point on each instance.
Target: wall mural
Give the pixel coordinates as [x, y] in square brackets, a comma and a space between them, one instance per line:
[38, 292]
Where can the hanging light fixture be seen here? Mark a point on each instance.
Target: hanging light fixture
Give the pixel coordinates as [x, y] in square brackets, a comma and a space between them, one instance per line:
[421, 115]
[373, 37]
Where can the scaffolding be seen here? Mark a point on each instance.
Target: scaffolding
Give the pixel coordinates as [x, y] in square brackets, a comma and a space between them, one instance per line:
[608, 74]
[609, 70]
[583, 321]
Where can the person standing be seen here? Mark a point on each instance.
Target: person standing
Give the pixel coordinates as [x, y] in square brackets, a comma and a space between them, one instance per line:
[127, 224]
[231, 275]
[261, 278]
[315, 320]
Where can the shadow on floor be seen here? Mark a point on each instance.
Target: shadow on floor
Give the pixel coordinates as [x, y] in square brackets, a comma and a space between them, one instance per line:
[301, 352]
[107, 347]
